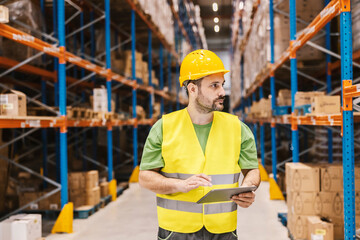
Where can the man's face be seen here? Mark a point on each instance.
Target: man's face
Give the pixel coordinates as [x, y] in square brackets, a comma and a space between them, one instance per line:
[211, 94]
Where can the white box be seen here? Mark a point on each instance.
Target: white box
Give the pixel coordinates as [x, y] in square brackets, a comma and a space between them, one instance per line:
[100, 100]
[21, 226]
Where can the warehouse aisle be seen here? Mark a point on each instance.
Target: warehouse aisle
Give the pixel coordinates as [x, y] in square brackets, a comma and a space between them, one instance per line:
[133, 217]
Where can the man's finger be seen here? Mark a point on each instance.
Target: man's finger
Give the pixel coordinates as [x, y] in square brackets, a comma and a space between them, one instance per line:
[206, 177]
[242, 204]
[247, 194]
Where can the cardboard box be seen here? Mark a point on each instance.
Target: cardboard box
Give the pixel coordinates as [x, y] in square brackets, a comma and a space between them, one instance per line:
[302, 178]
[77, 198]
[357, 203]
[76, 180]
[21, 226]
[331, 178]
[104, 189]
[304, 98]
[331, 204]
[13, 104]
[284, 97]
[338, 223]
[325, 105]
[302, 203]
[99, 102]
[50, 203]
[318, 229]
[92, 179]
[298, 226]
[4, 14]
[93, 196]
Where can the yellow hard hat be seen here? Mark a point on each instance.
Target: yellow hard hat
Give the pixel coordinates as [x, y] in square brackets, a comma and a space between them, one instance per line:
[200, 63]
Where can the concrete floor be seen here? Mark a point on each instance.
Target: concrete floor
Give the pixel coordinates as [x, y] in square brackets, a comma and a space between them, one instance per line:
[133, 217]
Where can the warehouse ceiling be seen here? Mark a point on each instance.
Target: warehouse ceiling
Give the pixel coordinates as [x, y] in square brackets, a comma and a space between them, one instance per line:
[216, 40]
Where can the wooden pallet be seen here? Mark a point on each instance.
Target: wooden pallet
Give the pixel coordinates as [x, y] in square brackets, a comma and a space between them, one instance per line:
[83, 212]
[302, 110]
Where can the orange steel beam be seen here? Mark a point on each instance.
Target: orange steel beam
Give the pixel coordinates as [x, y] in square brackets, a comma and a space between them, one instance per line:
[28, 40]
[58, 122]
[329, 12]
[152, 26]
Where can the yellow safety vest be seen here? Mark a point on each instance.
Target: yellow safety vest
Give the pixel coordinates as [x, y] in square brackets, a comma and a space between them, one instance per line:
[184, 157]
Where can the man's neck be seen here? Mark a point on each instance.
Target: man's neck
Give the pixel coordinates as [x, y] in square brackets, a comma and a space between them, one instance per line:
[199, 118]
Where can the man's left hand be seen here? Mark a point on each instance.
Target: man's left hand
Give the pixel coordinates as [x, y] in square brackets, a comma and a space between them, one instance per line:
[244, 200]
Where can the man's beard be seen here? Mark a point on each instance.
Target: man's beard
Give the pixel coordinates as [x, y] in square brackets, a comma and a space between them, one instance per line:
[203, 107]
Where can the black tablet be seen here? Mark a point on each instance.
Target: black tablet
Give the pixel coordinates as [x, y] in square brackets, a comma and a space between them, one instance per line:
[223, 195]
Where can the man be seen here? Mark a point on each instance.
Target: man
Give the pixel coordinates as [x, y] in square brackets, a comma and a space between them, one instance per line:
[191, 151]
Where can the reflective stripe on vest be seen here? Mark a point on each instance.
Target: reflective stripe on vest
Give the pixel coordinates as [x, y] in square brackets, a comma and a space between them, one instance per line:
[217, 179]
[183, 206]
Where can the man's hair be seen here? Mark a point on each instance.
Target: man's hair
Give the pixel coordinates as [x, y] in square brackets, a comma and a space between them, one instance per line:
[196, 82]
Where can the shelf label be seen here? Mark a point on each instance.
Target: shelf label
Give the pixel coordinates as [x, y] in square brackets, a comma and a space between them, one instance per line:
[327, 11]
[90, 66]
[74, 59]
[25, 38]
[4, 99]
[34, 123]
[51, 49]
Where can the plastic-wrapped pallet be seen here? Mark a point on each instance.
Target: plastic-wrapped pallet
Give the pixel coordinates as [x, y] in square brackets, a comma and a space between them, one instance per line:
[258, 45]
[355, 15]
[29, 14]
[235, 72]
[161, 15]
[201, 29]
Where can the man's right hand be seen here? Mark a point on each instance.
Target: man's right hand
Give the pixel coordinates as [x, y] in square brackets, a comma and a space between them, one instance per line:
[194, 182]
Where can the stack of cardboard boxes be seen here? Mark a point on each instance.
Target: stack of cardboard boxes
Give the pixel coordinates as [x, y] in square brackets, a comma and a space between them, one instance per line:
[316, 190]
[49, 203]
[284, 97]
[319, 103]
[84, 188]
[261, 109]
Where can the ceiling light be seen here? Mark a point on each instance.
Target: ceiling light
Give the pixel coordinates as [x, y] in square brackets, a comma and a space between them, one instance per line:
[215, 7]
[216, 19]
[241, 5]
[216, 28]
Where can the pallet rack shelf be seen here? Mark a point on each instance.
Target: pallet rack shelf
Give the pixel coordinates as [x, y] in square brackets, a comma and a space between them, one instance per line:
[349, 91]
[95, 67]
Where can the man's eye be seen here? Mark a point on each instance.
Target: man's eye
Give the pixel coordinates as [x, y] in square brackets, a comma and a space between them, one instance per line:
[214, 85]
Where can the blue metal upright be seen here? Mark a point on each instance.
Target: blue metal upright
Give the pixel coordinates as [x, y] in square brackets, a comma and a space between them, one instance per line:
[108, 88]
[150, 73]
[161, 78]
[328, 82]
[262, 133]
[294, 87]
[169, 78]
[272, 90]
[62, 103]
[348, 121]
[177, 68]
[43, 100]
[255, 124]
[56, 93]
[93, 46]
[135, 132]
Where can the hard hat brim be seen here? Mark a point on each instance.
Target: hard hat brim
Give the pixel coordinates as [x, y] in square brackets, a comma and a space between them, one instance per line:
[200, 75]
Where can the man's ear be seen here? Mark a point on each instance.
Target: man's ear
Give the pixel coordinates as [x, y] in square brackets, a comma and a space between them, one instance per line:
[192, 88]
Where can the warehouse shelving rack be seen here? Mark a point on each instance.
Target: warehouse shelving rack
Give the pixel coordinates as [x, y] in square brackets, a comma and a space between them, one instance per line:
[348, 92]
[59, 80]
